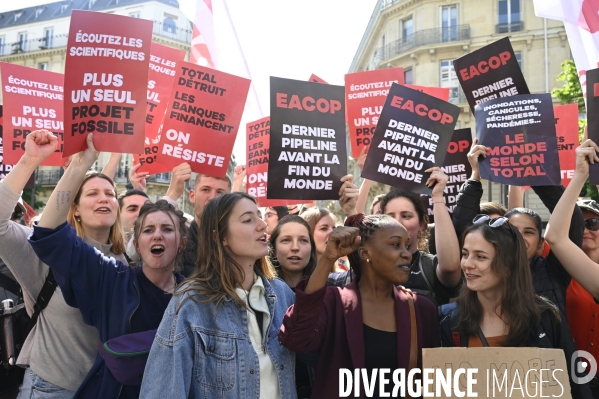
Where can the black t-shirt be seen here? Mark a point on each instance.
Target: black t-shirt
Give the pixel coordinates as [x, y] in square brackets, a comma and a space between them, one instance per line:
[380, 352]
[153, 303]
[417, 283]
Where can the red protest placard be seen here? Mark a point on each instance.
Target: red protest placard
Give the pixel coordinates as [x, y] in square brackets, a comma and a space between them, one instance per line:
[106, 78]
[258, 145]
[441, 93]
[365, 95]
[316, 79]
[202, 119]
[33, 99]
[566, 127]
[161, 75]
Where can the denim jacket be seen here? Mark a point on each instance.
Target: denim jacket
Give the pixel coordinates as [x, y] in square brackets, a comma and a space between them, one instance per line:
[204, 351]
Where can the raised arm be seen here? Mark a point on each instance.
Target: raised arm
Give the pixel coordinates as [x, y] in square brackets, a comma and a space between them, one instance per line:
[366, 184]
[238, 175]
[448, 248]
[112, 165]
[471, 192]
[348, 195]
[515, 197]
[60, 200]
[39, 145]
[304, 324]
[572, 258]
[181, 174]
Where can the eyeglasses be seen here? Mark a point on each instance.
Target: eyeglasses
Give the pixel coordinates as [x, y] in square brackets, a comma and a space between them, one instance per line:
[493, 222]
[592, 224]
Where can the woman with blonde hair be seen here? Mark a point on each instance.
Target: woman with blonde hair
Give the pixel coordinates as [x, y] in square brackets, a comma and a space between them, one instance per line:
[219, 335]
[60, 349]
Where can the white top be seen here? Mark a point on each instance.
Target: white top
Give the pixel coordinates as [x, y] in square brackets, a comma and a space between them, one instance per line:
[269, 381]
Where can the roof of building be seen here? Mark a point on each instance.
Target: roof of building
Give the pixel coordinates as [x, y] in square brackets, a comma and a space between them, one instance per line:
[61, 9]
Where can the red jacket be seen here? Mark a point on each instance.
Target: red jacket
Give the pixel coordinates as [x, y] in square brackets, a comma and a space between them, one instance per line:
[329, 321]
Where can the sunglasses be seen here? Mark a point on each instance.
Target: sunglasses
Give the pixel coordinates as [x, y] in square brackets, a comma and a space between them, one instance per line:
[592, 224]
[493, 222]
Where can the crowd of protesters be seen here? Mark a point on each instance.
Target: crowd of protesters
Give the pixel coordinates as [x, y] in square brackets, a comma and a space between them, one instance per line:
[239, 301]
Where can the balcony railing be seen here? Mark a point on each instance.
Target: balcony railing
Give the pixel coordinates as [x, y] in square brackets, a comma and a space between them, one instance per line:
[159, 178]
[172, 32]
[28, 46]
[511, 27]
[60, 41]
[422, 38]
[388, 3]
[457, 96]
[49, 177]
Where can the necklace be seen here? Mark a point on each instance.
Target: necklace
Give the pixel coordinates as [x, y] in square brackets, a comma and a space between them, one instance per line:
[171, 289]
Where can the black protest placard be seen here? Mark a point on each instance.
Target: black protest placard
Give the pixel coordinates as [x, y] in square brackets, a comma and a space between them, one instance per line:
[308, 154]
[456, 167]
[4, 168]
[412, 135]
[593, 117]
[519, 133]
[490, 72]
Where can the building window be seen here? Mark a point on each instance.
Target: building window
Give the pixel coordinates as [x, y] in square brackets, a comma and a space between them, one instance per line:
[169, 25]
[406, 29]
[408, 76]
[48, 36]
[136, 14]
[449, 79]
[449, 23]
[43, 66]
[383, 42]
[2, 45]
[91, 3]
[22, 44]
[519, 59]
[509, 16]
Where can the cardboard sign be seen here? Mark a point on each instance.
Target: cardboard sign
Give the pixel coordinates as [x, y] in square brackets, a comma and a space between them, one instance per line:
[316, 79]
[593, 117]
[457, 167]
[502, 372]
[33, 100]
[566, 127]
[161, 75]
[365, 94]
[490, 72]
[107, 75]
[202, 119]
[412, 135]
[258, 144]
[307, 140]
[520, 134]
[441, 93]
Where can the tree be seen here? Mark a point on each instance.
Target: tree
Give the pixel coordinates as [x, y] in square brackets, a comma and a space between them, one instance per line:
[571, 93]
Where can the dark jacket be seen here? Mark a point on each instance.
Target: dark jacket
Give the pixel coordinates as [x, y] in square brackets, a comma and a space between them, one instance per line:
[106, 292]
[330, 321]
[550, 279]
[551, 332]
[190, 253]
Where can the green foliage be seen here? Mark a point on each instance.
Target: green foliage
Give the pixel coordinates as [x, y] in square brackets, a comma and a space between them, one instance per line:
[571, 91]
[27, 197]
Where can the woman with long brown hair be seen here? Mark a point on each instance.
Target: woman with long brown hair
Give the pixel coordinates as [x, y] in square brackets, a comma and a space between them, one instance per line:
[497, 306]
[218, 337]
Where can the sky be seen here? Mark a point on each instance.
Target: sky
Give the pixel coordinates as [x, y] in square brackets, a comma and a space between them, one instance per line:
[284, 38]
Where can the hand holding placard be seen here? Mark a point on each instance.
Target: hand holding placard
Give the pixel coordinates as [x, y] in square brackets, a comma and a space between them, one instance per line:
[519, 133]
[413, 134]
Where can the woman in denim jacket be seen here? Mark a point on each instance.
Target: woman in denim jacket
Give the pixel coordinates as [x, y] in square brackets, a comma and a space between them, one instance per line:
[219, 336]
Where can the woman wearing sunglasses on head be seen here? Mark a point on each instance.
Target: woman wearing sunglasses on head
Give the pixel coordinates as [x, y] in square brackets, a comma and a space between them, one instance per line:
[583, 291]
[548, 275]
[497, 306]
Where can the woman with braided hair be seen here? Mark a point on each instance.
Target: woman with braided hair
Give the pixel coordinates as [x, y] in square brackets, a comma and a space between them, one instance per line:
[369, 323]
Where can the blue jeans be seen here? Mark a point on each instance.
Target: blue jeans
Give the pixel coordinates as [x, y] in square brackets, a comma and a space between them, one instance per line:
[35, 387]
